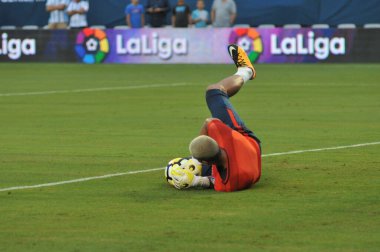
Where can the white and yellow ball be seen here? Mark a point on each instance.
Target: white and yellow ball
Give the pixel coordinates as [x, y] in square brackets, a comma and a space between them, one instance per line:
[190, 164]
[194, 166]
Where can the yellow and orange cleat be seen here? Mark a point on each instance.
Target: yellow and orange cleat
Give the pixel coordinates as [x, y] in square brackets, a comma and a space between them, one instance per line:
[240, 58]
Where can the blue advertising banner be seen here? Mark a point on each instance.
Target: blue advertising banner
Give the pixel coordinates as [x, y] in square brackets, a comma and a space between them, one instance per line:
[252, 12]
[172, 46]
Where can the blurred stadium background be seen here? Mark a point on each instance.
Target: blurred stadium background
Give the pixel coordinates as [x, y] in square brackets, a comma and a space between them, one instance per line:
[281, 31]
[254, 12]
[89, 117]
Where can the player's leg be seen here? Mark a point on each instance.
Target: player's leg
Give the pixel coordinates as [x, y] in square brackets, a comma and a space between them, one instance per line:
[52, 26]
[245, 71]
[220, 107]
[61, 26]
[230, 85]
[217, 95]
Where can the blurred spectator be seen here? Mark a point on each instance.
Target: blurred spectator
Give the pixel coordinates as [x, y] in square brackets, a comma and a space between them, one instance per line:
[134, 13]
[77, 11]
[58, 17]
[181, 14]
[157, 10]
[200, 15]
[223, 13]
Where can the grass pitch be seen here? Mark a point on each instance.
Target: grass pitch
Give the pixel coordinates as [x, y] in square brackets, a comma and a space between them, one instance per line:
[317, 201]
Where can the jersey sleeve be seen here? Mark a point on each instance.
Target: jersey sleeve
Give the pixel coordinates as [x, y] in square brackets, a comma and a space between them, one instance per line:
[213, 5]
[69, 8]
[85, 6]
[233, 7]
[206, 170]
[65, 2]
[127, 10]
[194, 14]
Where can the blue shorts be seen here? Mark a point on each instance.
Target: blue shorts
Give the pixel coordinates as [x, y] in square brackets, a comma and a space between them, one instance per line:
[221, 108]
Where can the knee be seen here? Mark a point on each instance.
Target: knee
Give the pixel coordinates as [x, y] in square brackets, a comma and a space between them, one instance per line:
[216, 86]
[213, 86]
[208, 120]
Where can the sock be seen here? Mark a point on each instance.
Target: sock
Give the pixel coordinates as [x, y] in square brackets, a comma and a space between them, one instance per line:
[245, 72]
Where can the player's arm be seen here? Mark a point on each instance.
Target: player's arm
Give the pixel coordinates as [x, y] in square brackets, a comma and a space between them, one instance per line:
[50, 8]
[212, 15]
[128, 20]
[148, 7]
[142, 20]
[183, 179]
[72, 12]
[203, 130]
[81, 11]
[173, 20]
[233, 13]
[194, 18]
[189, 17]
[173, 16]
[203, 182]
[232, 18]
[165, 8]
[84, 8]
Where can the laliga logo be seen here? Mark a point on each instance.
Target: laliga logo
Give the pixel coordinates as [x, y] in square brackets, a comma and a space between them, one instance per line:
[320, 47]
[15, 48]
[249, 39]
[163, 47]
[92, 45]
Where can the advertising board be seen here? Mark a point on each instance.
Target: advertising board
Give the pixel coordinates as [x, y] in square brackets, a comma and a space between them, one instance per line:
[193, 46]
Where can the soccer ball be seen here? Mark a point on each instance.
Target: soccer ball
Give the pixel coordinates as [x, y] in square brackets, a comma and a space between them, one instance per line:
[190, 164]
[176, 162]
[194, 166]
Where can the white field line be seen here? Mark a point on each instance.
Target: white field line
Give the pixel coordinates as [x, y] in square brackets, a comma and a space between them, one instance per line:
[161, 168]
[321, 149]
[93, 89]
[77, 180]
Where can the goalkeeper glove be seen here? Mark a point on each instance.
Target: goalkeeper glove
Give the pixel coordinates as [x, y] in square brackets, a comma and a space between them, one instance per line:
[185, 179]
[182, 178]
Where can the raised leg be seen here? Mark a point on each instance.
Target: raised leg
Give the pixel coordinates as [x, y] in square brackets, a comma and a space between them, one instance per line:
[230, 85]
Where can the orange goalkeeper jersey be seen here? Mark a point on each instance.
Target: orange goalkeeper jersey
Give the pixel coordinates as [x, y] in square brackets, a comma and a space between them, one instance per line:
[244, 158]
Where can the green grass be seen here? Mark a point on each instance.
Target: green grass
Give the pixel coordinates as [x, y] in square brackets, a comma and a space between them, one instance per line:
[317, 201]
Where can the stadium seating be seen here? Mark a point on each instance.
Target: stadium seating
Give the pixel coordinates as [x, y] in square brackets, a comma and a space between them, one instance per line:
[346, 26]
[102, 27]
[292, 26]
[266, 26]
[372, 26]
[241, 26]
[121, 27]
[30, 27]
[320, 26]
[8, 27]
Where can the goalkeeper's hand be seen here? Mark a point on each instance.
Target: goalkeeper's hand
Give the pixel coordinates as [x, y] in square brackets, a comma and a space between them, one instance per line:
[182, 178]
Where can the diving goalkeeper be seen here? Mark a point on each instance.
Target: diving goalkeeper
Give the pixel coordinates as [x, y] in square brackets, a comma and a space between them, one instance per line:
[225, 143]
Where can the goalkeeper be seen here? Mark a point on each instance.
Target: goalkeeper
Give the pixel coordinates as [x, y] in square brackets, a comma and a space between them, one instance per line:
[225, 143]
